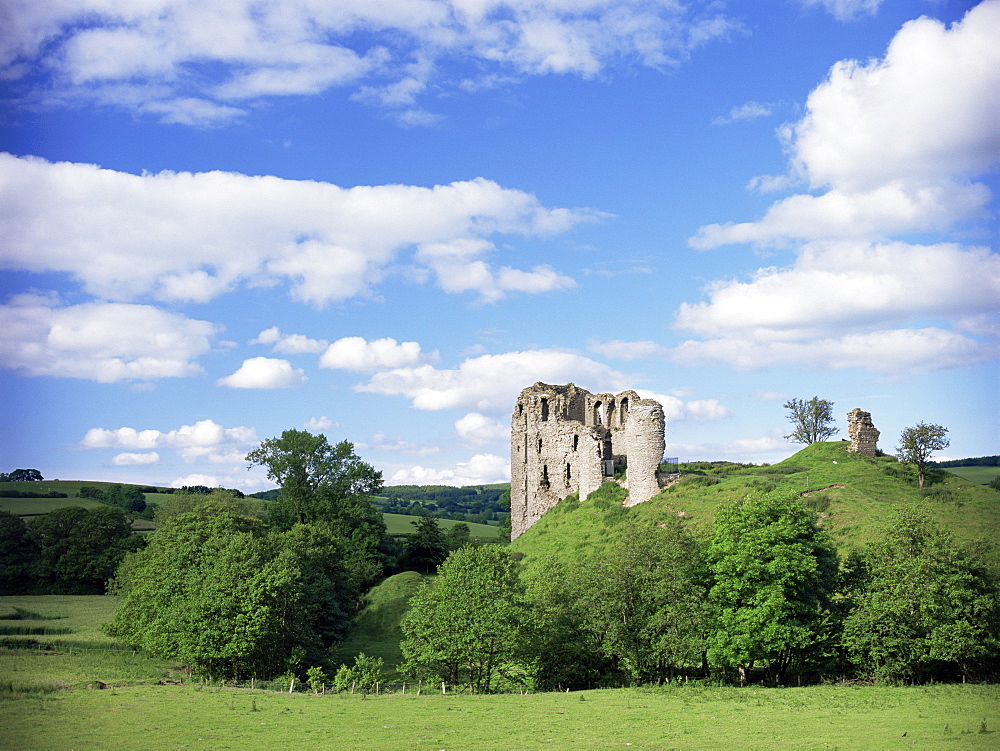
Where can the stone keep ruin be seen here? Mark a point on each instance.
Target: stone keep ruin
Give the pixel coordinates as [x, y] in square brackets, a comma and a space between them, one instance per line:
[864, 436]
[565, 439]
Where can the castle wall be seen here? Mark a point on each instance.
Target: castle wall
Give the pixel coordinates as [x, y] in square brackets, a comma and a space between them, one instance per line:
[864, 436]
[562, 437]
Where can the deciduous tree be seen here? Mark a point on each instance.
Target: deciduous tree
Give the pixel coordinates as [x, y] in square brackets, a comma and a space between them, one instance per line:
[774, 571]
[426, 548]
[80, 549]
[222, 593]
[917, 444]
[923, 600]
[812, 420]
[472, 623]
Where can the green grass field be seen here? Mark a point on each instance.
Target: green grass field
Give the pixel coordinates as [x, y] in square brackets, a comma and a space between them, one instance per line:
[978, 475]
[400, 524]
[688, 717]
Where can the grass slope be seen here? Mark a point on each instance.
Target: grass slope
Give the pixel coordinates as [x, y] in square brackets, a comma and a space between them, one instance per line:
[855, 495]
[376, 629]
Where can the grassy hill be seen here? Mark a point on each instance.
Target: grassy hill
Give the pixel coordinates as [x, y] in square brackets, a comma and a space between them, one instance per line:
[855, 495]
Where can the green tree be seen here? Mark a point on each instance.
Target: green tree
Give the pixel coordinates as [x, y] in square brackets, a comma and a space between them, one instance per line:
[328, 484]
[318, 481]
[129, 497]
[458, 536]
[18, 555]
[811, 420]
[426, 548]
[917, 444]
[230, 598]
[646, 599]
[80, 549]
[472, 625]
[774, 571]
[923, 601]
[25, 475]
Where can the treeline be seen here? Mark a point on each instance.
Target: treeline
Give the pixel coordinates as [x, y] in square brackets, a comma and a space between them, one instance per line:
[11, 493]
[765, 599]
[71, 550]
[979, 461]
[241, 587]
[480, 504]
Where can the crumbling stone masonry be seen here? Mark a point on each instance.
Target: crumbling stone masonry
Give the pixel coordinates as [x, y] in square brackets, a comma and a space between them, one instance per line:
[864, 436]
[565, 439]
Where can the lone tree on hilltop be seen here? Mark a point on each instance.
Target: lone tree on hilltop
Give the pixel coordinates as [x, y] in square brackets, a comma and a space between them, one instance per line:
[811, 419]
[916, 445]
[23, 475]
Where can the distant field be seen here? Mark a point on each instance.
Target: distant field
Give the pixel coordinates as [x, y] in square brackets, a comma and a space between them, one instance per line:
[37, 506]
[978, 475]
[399, 524]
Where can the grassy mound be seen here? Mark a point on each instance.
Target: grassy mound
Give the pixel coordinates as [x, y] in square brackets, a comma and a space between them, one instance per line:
[855, 496]
[376, 629]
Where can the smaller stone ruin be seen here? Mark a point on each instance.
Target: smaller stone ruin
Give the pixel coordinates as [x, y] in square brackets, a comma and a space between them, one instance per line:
[864, 436]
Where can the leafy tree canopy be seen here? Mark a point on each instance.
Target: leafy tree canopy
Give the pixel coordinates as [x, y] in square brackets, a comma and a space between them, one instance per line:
[318, 481]
[774, 571]
[917, 444]
[229, 597]
[473, 625]
[812, 420]
[923, 600]
[80, 549]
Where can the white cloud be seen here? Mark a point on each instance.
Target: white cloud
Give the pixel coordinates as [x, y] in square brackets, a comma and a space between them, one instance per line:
[264, 373]
[892, 352]
[491, 383]
[191, 62]
[191, 237]
[846, 10]
[619, 349]
[833, 307]
[289, 344]
[203, 434]
[838, 286]
[748, 111]
[769, 447]
[480, 430]
[479, 470]
[769, 396]
[697, 410]
[129, 459]
[319, 424]
[355, 353]
[894, 142]
[104, 342]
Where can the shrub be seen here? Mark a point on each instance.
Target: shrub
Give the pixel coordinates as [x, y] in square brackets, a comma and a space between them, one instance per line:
[818, 502]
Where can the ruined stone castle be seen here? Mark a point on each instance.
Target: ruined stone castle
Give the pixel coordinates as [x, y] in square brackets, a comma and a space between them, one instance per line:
[565, 440]
[864, 436]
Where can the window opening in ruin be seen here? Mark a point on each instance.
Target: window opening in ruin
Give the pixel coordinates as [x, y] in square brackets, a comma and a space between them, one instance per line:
[569, 474]
[545, 409]
[539, 445]
[623, 413]
[611, 413]
[576, 442]
[545, 477]
[598, 413]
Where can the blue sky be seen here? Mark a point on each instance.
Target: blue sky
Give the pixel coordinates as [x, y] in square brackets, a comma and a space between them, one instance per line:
[381, 221]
